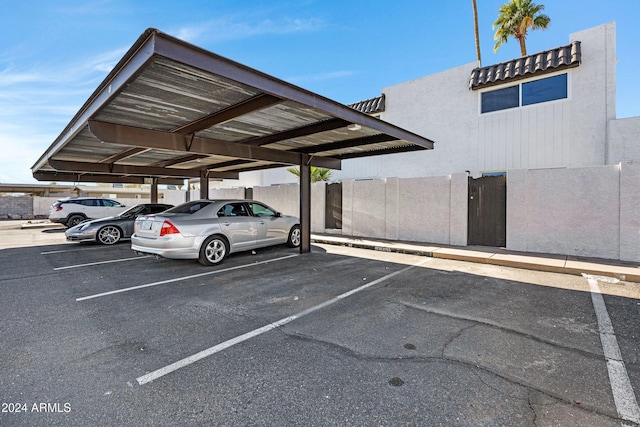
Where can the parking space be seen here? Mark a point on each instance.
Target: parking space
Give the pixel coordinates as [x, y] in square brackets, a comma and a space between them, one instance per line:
[340, 336]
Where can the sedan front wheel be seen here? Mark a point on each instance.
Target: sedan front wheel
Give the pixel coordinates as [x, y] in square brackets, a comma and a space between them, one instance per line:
[213, 251]
[109, 235]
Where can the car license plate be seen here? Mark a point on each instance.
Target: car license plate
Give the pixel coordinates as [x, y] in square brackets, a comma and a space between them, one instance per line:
[146, 225]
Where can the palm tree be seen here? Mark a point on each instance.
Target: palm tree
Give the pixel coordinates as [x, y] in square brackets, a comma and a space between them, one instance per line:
[477, 34]
[317, 174]
[515, 19]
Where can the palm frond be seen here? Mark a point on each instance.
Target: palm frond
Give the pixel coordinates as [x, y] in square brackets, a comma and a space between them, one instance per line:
[515, 19]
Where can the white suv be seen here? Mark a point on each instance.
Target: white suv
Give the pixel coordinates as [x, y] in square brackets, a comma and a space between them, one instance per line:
[72, 212]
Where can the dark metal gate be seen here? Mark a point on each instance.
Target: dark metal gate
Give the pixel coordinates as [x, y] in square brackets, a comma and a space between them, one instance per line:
[333, 206]
[488, 211]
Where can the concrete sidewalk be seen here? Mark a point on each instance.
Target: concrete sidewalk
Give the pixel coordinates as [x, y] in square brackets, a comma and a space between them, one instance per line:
[625, 271]
[9, 224]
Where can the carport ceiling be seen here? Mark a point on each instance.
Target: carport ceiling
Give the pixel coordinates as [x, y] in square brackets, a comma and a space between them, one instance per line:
[170, 110]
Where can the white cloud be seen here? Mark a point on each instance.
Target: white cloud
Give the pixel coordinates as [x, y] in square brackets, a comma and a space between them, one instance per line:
[105, 62]
[228, 28]
[20, 150]
[9, 76]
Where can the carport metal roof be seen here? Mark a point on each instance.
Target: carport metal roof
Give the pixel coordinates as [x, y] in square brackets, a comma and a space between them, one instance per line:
[170, 110]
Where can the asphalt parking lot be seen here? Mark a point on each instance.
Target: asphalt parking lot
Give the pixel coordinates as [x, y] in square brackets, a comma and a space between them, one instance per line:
[96, 335]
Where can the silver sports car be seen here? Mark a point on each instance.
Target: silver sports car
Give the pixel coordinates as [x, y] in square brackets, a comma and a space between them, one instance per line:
[209, 230]
[112, 229]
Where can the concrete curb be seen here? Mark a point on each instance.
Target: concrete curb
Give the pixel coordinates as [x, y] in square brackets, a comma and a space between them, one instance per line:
[548, 263]
[41, 225]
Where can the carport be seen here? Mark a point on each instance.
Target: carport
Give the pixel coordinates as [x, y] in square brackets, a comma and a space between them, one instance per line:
[170, 111]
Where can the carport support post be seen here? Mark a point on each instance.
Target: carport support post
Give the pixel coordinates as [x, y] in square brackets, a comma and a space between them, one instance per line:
[305, 204]
[204, 184]
[154, 190]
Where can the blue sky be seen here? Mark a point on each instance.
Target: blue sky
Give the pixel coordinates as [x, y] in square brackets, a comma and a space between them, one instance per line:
[54, 54]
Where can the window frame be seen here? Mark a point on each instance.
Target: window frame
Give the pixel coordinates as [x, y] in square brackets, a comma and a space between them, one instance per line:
[519, 85]
[265, 207]
[522, 94]
[518, 99]
[222, 212]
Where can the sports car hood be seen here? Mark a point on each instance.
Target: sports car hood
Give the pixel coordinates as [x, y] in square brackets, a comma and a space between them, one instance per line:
[94, 221]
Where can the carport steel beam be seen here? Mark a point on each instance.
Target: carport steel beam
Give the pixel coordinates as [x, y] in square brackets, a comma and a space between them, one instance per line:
[88, 177]
[144, 171]
[147, 138]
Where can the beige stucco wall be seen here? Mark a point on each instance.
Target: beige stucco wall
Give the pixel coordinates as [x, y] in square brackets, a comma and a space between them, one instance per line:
[624, 140]
[593, 212]
[630, 211]
[284, 198]
[429, 209]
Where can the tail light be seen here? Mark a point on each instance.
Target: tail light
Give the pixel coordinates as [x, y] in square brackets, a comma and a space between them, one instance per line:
[168, 228]
[58, 208]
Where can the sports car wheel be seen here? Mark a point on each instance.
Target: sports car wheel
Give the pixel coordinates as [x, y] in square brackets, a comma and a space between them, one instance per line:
[109, 235]
[213, 250]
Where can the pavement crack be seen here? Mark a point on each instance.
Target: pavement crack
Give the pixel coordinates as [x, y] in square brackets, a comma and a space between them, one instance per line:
[454, 337]
[473, 366]
[551, 395]
[359, 355]
[495, 325]
[534, 422]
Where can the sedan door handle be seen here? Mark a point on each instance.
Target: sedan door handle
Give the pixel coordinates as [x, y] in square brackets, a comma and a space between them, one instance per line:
[226, 223]
[260, 222]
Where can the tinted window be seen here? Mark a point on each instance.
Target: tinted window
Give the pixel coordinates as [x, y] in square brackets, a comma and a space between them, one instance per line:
[544, 90]
[109, 203]
[261, 210]
[500, 99]
[189, 208]
[89, 202]
[233, 209]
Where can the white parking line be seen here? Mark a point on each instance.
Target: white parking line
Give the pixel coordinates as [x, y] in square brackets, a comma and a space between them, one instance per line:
[244, 337]
[623, 395]
[101, 262]
[164, 282]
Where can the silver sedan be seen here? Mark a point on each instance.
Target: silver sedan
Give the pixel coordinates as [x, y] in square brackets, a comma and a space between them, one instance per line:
[209, 230]
[112, 229]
